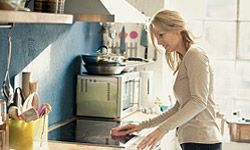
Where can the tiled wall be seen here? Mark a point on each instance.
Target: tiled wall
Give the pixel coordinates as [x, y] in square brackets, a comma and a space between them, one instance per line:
[51, 53]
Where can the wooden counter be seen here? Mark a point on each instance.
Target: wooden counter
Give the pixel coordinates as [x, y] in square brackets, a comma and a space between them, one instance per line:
[56, 145]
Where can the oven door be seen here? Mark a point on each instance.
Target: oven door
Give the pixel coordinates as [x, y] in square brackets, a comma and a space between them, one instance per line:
[97, 96]
[130, 91]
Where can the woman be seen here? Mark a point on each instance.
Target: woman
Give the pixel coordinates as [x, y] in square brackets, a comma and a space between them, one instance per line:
[194, 112]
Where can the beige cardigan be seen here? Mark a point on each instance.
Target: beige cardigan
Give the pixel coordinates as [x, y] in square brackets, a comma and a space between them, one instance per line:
[194, 112]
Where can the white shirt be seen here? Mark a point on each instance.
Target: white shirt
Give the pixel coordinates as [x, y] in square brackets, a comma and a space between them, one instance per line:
[194, 113]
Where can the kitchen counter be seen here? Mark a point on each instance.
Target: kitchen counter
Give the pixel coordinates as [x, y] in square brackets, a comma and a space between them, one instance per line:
[70, 137]
[130, 145]
[53, 145]
[168, 142]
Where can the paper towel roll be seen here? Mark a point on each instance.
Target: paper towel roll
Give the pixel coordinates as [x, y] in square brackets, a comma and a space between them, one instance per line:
[146, 89]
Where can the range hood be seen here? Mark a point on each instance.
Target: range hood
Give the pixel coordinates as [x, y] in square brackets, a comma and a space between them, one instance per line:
[104, 11]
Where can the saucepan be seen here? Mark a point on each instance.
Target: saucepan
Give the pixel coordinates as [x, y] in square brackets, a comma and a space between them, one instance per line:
[103, 62]
[108, 69]
[106, 63]
[103, 56]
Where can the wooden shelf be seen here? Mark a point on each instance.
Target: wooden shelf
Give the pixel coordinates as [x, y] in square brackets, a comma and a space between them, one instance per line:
[34, 17]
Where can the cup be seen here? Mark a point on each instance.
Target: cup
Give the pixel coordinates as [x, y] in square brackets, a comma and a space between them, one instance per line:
[4, 129]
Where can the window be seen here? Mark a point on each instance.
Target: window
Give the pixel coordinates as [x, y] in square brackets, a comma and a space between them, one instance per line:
[224, 29]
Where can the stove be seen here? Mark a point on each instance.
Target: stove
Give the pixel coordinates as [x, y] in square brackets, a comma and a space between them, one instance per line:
[90, 131]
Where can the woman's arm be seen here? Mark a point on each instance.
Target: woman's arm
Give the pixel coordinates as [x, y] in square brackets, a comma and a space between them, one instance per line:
[159, 119]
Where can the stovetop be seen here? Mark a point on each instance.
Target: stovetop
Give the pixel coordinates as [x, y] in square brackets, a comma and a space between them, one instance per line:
[90, 131]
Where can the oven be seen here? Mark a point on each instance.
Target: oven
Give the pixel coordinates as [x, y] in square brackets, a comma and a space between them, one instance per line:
[113, 96]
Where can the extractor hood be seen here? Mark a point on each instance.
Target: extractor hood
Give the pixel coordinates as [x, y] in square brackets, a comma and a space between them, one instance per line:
[104, 11]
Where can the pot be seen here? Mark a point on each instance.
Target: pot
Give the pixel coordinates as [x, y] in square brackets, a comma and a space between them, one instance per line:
[108, 69]
[89, 59]
[103, 56]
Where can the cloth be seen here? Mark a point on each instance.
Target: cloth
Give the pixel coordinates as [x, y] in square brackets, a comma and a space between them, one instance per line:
[194, 113]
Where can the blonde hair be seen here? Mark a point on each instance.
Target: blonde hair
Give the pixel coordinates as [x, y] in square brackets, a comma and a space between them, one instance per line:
[168, 20]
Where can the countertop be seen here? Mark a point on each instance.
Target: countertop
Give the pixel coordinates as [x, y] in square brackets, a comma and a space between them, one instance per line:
[133, 118]
[136, 118]
[77, 146]
[56, 145]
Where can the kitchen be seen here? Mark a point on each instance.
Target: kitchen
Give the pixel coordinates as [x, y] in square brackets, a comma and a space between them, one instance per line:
[50, 45]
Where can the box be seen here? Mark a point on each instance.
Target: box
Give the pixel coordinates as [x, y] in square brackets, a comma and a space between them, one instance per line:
[239, 132]
[28, 136]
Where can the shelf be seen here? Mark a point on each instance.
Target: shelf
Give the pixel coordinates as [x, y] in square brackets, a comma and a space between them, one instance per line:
[34, 17]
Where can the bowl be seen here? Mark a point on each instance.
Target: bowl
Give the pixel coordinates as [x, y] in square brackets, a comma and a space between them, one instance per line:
[104, 69]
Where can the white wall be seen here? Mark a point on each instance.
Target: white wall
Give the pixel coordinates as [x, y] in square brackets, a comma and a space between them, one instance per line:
[162, 75]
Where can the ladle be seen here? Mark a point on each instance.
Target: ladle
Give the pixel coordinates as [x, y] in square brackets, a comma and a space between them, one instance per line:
[6, 87]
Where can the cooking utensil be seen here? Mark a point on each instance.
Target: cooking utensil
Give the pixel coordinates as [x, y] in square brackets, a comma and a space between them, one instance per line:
[7, 89]
[18, 98]
[33, 89]
[25, 84]
[122, 42]
[89, 59]
[14, 108]
[144, 40]
[13, 112]
[103, 56]
[30, 114]
[105, 69]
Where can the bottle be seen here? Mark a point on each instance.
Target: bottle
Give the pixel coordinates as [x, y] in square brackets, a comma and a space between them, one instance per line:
[236, 116]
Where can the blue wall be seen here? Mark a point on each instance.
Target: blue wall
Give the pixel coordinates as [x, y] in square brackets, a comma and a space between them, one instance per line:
[53, 52]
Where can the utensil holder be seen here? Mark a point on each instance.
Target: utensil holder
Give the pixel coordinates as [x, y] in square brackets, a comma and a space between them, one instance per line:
[28, 135]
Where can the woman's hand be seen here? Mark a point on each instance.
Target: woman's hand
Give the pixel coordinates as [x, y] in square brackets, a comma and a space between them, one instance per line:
[150, 140]
[127, 129]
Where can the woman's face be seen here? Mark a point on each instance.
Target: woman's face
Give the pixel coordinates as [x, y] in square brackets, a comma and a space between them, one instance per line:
[169, 40]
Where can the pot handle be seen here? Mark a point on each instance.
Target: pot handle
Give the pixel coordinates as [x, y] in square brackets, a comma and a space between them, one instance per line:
[103, 46]
[100, 51]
